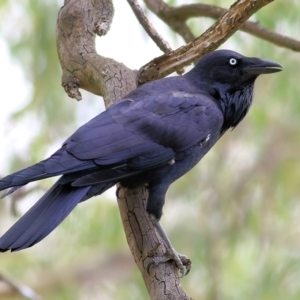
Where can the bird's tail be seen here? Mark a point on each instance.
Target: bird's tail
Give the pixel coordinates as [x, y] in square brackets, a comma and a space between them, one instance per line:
[43, 217]
[49, 167]
[22, 177]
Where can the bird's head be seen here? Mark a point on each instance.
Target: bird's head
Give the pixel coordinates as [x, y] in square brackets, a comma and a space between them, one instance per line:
[229, 78]
[229, 68]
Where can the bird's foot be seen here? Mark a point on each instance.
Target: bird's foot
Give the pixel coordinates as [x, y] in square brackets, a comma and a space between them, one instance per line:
[183, 263]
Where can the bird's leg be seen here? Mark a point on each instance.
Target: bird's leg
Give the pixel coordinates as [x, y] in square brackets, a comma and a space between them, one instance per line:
[182, 262]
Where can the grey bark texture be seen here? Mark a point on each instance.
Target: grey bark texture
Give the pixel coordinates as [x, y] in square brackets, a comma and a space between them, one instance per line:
[79, 21]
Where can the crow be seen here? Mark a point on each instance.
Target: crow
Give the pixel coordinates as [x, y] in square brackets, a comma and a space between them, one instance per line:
[153, 136]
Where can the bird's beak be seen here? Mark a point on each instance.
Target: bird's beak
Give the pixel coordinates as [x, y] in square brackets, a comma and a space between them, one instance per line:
[259, 66]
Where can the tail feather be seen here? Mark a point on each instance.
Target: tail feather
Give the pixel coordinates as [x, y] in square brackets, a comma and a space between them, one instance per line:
[61, 162]
[22, 177]
[43, 217]
[11, 190]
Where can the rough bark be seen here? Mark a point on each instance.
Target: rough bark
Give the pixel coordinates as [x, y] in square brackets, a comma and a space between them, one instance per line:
[78, 23]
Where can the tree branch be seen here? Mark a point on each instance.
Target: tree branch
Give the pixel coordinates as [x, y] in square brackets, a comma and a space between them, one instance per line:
[159, 41]
[20, 289]
[78, 23]
[176, 18]
[210, 40]
[162, 10]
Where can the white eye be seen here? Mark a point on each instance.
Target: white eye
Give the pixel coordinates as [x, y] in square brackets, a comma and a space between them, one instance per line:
[232, 61]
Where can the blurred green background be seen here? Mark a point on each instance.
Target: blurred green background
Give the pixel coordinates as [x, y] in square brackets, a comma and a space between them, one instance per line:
[241, 205]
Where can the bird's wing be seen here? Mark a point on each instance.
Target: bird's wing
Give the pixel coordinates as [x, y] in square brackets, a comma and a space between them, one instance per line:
[147, 133]
[140, 135]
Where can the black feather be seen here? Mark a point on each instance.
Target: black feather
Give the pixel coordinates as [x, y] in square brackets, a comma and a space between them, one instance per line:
[43, 217]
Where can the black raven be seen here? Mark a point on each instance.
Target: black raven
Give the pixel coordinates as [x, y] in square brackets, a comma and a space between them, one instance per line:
[156, 134]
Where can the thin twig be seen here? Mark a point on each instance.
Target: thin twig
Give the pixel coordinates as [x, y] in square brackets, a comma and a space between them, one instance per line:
[21, 289]
[156, 37]
[271, 36]
[162, 10]
[176, 18]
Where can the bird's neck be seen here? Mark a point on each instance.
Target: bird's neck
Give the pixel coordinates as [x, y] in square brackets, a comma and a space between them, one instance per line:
[234, 101]
[235, 104]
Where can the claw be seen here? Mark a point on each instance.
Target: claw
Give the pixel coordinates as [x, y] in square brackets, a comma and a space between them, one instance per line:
[117, 191]
[183, 264]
